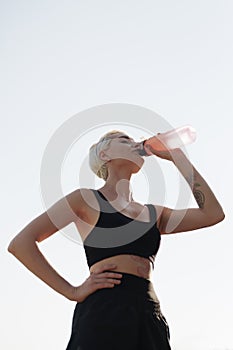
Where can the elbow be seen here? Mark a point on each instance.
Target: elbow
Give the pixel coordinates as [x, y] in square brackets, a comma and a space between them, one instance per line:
[218, 218]
[222, 217]
[11, 247]
[20, 244]
[15, 246]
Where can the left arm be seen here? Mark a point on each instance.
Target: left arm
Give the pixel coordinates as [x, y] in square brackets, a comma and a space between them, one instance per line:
[209, 212]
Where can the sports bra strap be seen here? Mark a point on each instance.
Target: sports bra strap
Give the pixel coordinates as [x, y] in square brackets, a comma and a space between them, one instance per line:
[153, 214]
[104, 204]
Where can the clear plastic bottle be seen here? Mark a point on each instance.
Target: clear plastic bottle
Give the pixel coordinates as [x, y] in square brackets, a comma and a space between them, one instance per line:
[169, 140]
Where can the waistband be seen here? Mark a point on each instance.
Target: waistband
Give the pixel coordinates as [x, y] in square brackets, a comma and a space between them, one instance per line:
[136, 286]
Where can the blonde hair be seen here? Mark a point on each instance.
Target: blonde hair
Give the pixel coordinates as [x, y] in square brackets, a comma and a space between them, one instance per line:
[97, 165]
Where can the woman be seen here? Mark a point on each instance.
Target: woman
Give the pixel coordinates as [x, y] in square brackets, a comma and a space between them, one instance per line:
[117, 307]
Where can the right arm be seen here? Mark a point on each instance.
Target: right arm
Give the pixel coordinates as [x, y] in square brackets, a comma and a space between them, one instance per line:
[24, 247]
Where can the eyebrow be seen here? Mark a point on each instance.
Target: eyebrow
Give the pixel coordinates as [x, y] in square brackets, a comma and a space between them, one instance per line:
[124, 137]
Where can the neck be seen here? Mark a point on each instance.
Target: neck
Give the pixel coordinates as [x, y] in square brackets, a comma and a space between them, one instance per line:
[119, 189]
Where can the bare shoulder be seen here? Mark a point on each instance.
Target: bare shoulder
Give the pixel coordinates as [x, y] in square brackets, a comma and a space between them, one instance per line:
[88, 200]
[80, 200]
[83, 202]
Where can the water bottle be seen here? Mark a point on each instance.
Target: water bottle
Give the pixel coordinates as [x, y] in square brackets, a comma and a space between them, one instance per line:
[168, 140]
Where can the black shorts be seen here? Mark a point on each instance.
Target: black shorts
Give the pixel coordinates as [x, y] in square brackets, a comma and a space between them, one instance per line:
[125, 317]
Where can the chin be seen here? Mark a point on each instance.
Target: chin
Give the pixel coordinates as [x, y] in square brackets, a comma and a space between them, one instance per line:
[138, 166]
[140, 163]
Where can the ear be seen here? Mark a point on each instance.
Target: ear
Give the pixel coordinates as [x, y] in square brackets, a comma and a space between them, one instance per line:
[104, 156]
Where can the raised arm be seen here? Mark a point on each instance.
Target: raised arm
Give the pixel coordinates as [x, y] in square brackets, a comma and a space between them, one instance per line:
[209, 212]
[25, 248]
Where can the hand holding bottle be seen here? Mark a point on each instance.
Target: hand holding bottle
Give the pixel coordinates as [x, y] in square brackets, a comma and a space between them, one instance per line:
[163, 144]
[165, 154]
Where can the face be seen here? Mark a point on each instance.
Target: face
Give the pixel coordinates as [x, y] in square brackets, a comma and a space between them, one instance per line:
[123, 150]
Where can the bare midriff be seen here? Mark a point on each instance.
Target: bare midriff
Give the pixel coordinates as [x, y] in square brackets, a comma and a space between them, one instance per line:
[127, 263]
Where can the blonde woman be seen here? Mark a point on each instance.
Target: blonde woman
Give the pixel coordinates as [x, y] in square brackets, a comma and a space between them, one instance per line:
[116, 306]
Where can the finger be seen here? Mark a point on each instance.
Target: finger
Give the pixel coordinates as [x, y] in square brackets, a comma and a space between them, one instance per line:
[109, 275]
[107, 280]
[104, 285]
[105, 267]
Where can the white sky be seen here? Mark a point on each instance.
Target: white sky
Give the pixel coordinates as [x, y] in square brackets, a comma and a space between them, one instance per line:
[60, 58]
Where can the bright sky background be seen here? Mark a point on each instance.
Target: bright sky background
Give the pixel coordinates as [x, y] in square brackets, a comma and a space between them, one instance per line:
[60, 58]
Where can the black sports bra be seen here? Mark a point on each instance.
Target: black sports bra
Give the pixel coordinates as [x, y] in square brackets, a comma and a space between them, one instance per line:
[116, 233]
